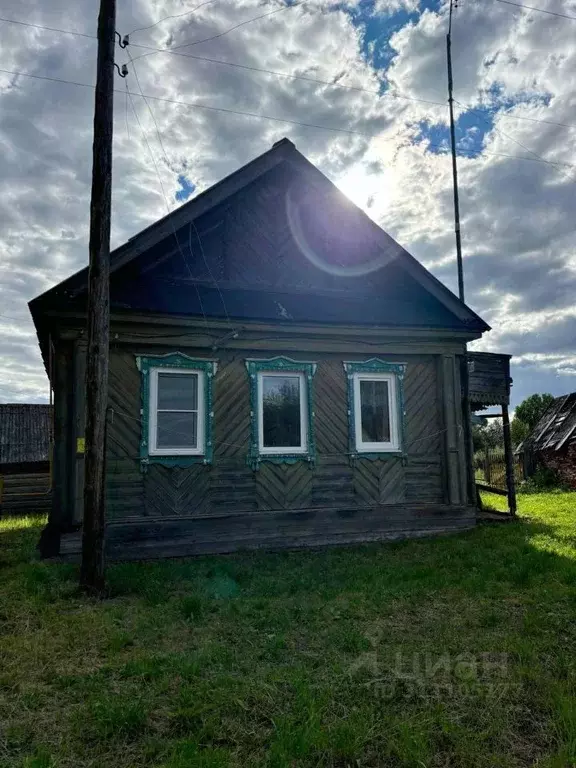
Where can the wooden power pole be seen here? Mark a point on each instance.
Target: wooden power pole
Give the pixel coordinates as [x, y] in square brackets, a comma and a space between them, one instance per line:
[98, 310]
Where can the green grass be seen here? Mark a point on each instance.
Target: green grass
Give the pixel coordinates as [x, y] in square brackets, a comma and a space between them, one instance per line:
[449, 652]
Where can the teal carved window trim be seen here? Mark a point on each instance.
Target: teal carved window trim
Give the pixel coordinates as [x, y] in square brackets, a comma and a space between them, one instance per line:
[177, 361]
[375, 369]
[277, 365]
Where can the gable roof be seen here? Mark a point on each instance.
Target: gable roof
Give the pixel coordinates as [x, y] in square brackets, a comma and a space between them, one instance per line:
[556, 427]
[425, 301]
[25, 432]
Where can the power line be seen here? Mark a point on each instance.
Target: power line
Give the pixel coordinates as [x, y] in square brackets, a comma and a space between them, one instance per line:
[528, 119]
[288, 76]
[192, 224]
[506, 135]
[538, 10]
[48, 29]
[227, 31]
[260, 116]
[175, 52]
[155, 164]
[173, 16]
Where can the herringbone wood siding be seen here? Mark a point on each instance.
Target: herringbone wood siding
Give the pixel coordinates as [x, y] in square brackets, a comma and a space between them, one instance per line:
[230, 485]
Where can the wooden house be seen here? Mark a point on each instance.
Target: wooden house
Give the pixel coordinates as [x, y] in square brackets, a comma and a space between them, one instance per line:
[552, 442]
[282, 374]
[25, 445]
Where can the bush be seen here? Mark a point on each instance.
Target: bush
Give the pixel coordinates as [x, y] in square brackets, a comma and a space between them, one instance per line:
[543, 480]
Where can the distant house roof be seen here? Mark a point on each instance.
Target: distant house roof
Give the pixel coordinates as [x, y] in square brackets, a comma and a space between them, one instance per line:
[556, 427]
[25, 432]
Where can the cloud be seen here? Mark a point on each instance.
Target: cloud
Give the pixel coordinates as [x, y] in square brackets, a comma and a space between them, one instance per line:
[517, 216]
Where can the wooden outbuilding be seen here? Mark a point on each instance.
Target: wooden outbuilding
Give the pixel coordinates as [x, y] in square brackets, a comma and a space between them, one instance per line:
[282, 374]
[25, 446]
[552, 442]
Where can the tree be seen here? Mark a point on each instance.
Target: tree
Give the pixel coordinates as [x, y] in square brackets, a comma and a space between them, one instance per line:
[531, 410]
[519, 431]
[488, 436]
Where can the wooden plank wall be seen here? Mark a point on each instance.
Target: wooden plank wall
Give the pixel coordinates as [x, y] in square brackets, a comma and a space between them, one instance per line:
[25, 494]
[229, 485]
[489, 375]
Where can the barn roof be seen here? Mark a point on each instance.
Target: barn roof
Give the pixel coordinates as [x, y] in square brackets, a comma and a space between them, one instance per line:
[557, 425]
[277, 225]
[25, 432]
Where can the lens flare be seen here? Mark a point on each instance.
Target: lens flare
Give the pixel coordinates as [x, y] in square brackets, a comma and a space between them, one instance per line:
[332, 233]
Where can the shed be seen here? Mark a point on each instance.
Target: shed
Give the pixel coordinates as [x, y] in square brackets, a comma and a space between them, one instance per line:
[25, 439]
[552, 442]
[282, 374]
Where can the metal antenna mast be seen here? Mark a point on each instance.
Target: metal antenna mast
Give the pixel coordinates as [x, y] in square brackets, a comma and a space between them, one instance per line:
[454, 4]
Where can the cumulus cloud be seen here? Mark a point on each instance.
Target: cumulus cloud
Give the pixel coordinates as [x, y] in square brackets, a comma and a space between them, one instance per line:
[517, 216]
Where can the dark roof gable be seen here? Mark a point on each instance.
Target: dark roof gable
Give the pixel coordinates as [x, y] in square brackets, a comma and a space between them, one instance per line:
[279, 227]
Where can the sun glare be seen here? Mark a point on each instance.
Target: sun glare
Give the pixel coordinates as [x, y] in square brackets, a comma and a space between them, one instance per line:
[366, 190]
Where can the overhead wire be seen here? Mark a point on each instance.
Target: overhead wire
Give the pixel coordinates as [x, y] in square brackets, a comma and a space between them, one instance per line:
[143, 132]
[172, 16]
[537, 10]
[288, 121]
[192, 223]
[127, 126]
[502, 133]
[289, 76]
[227, 31]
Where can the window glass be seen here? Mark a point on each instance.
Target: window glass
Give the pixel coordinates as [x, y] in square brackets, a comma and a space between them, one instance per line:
[374, 403]
[177, 391]
[177, 410]
[176, 429]
[281, 411]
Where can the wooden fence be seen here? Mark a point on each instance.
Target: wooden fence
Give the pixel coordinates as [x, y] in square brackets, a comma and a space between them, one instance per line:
[490, 468]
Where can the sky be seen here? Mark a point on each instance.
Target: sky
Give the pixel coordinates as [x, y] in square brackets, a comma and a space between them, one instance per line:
[381, 135]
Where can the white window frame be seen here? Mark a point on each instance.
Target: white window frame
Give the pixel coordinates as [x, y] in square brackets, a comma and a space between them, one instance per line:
[393, 445]
[283, 450]
[200, 448]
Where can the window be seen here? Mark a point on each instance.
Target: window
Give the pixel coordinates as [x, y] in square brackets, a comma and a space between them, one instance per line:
[282, 412]
[176, 412]
[376, 412]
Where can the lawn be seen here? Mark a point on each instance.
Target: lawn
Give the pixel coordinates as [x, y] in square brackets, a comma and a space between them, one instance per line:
[457, 651]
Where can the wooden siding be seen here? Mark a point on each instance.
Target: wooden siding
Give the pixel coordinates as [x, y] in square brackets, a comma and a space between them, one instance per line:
[229, 485]
[182, 536]
[25, 494]
[489, 379]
